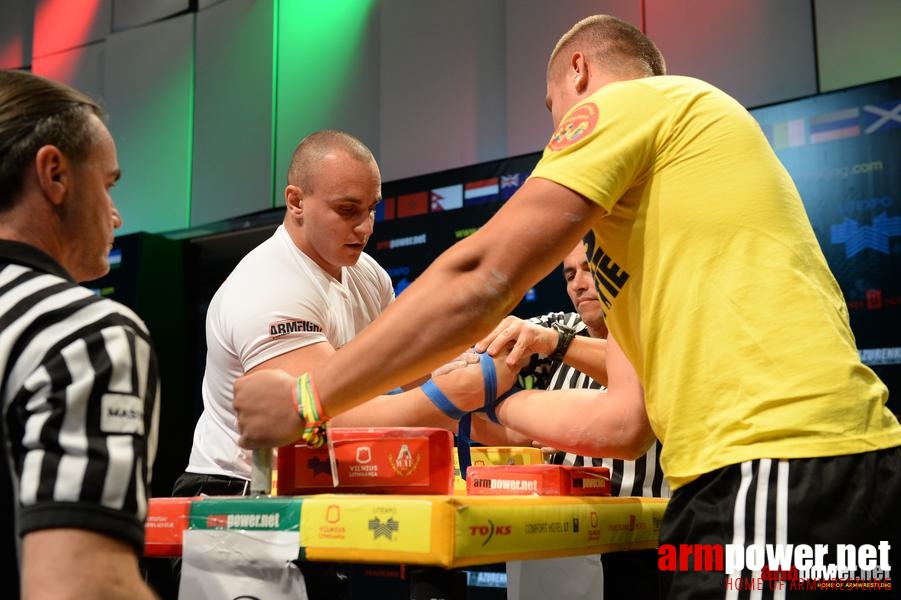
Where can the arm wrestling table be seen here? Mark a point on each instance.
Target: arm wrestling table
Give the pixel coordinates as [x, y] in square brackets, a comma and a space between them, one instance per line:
[444, 532]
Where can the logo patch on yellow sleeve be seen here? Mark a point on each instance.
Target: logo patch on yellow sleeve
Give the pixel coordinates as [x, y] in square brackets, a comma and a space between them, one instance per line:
[576, 126]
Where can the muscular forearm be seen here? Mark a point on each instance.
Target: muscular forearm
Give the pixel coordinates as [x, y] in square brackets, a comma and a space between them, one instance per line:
[413, 409]
[61, 564]
[492, 434]
[459, 297]
[588, 355]
[409, 409]
[407, 339]
[267, 417]
[579, 421]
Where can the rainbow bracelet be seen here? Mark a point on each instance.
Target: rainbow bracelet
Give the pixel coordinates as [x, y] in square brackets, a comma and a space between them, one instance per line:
[309, 409]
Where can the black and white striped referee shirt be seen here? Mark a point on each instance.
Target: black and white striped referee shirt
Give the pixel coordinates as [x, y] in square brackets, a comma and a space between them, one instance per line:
[80, 393]
[642, 477]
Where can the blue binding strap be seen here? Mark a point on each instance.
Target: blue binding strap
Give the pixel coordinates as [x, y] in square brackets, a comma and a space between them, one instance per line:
[440, 400]
[464, 441]
[464, 427]
[490, 410]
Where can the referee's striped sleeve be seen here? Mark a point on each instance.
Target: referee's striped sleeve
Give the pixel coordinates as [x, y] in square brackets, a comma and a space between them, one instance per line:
[80, 401]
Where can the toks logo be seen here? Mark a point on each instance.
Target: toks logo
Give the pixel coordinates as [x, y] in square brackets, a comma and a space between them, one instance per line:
[489, 530]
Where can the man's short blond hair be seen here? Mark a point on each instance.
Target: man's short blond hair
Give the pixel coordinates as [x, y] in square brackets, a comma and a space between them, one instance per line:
[310, 151]
[615, 45]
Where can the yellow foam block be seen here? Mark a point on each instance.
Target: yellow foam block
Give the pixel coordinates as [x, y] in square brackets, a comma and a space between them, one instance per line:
[453, 531]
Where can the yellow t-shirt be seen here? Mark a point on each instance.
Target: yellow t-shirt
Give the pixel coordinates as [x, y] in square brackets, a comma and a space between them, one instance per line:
[713, 281]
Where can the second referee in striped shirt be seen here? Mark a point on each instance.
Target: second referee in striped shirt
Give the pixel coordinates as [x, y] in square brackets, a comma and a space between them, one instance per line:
[557, 369]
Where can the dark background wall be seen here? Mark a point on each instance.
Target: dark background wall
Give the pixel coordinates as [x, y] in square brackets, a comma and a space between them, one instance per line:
[208, 98]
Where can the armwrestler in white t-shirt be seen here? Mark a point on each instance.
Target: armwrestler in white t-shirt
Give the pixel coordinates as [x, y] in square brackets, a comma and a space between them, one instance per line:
[296, 298]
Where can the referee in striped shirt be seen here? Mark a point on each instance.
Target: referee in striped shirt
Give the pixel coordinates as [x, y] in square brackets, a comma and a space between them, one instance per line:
[556, 365]
[78, 376]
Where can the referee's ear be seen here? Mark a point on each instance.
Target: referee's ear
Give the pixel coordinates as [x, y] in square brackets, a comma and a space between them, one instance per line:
[52, 170]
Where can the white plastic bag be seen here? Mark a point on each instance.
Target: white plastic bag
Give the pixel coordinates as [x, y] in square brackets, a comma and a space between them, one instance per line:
[570, 578]
[221, 564]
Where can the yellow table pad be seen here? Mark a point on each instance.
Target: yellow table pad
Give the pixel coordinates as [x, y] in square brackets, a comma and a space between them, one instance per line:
[456, 531]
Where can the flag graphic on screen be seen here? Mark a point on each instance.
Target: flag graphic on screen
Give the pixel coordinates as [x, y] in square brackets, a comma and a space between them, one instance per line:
[789, 134]
[881, 117]
[447, 198]
[835, 126]
[384, 210]
[412, 204]
[480, 192]
[511, 183]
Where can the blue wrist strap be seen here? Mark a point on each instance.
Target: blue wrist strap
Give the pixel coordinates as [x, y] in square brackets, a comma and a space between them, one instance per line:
[489, 373]
[464, 441]
[440, 400]
[463, 444]
[490, 410]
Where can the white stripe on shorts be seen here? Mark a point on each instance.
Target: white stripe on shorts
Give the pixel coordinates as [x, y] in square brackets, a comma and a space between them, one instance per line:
[757, 529]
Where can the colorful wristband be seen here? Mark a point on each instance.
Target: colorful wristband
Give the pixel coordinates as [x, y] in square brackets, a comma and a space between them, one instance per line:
[309, 409]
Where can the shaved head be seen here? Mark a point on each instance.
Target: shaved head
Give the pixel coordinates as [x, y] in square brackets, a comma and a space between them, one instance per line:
[313, 148]
[615, 45]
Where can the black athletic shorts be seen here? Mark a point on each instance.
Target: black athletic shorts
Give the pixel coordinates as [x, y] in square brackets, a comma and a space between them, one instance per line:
[848, 505]
[197, 484]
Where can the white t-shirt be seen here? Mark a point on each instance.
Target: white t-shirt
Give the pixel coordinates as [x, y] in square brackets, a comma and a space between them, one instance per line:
[276, 300]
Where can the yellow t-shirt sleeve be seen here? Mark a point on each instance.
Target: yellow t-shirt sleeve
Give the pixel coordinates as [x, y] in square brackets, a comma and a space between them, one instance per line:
[602, 157]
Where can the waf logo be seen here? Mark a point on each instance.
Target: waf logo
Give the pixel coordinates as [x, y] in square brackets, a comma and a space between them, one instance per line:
[405, 463]
[575, 127]
[489, 531]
